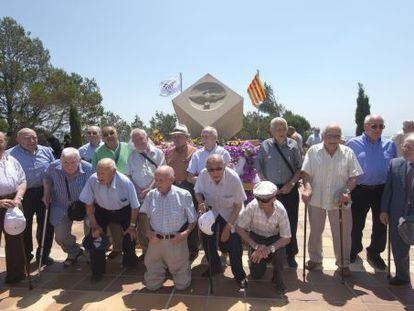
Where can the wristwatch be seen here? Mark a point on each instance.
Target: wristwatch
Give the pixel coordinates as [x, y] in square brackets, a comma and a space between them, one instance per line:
[272, 249]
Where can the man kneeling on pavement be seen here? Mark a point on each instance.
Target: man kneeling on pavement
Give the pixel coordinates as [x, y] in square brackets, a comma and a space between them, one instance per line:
[172, 217]
[264, 225]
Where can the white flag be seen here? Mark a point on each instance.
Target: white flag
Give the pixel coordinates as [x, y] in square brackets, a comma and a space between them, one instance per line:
[170, 86]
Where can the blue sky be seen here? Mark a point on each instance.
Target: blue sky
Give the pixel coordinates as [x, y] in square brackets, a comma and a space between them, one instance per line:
[313, 53]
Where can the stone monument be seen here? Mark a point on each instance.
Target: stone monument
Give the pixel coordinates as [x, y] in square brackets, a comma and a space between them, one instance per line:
[210, 102]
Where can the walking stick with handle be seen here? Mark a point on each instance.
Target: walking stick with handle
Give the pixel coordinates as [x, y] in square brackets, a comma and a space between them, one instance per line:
[389, 252]
[26, 262]
[341, 238]
[43, 238]
[304, 242]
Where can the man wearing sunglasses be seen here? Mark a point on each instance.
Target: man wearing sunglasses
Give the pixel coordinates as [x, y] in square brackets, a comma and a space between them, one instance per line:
[374, 154]
[264, 225]
[219, 188]
[93, 135]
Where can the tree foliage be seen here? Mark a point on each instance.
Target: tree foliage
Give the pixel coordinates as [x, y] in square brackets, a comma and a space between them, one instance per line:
[138, 123]
[270, 105]
[112, 119]
[297, 121]
[75, 127]
[362, 110]
[165, 123]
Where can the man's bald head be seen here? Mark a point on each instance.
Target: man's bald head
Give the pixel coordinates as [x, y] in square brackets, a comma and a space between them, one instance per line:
[105, 170]
[27, 139]
[164, 178]
[215, 166]
[215, 159]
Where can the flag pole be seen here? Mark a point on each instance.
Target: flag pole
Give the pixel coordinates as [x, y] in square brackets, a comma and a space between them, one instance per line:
[181, 82]
[258, 116]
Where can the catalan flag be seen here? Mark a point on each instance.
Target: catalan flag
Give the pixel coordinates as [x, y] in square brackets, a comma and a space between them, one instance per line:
[256, 91]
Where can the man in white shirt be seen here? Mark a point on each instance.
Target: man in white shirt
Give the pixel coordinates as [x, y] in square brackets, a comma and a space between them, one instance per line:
[314, 138]
[330, 172]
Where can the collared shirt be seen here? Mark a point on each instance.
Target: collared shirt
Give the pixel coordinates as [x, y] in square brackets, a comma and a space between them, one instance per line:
[118, 194]
[314, 139]
[374, 158]
[104, 152]
[88, 150]
[253, 218]
[140, 169]
[271, 164]
[199, 159]
[55, 176]
[329, 174]
[179, 161]
[33, 164]
[11, 175]
[222, 196]
[167, 213]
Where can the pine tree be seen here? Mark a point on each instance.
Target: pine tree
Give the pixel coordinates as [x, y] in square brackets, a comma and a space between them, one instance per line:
[362, 110]
[75, 127]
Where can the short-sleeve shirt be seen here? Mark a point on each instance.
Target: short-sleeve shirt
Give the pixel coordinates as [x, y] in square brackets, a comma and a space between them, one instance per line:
[33, 164]
[88, 150]
[179, 161]
[329, 174]
[11, 175]
[253, 218]
[141, 170]
[117, 195]
[271, 164]
[104, 152]
[199, 159]
[167, 213]
[222, 196]
[374, 158]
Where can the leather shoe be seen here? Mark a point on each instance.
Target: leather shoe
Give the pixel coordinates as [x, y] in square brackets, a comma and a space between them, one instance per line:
[376, 261]
[113, 254]
[398, 282]
[291, 262]
[311, 265]
[70, 261]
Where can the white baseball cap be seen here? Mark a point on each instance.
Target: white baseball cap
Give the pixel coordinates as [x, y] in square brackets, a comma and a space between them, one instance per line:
[14, 221]
[206, 221]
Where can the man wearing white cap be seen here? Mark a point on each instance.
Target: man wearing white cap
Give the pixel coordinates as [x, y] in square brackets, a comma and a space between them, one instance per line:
[264, 226]
[12, 189]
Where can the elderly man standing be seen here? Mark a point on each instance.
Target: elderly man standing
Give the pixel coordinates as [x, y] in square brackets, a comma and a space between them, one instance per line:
[34, 159]
[93, 135]
[110, 197]
[314, 138]
[12, 189]
[398, 139]
[330, 170]
[279, 160]
[171, 217]
[264, 226]
[119, 152]
[374, 154]
[140, 168]
[398, 201]
[198, 160]
[178, 158]
[219, 188]
[63, 183]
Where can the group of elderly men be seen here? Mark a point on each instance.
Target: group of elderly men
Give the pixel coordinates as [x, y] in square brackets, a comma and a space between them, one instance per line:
[138, 194]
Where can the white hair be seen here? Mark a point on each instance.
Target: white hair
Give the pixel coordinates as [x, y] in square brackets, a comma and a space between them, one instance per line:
[409, 137]
[278, 120]
[211, 130]
[369, 117]
[70, 151]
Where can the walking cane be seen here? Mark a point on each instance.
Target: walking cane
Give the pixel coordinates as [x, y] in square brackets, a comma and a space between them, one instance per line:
[341, 238]
[210, 278]
[304, 242]
[43, 238]
[26, 262]
[389, 252]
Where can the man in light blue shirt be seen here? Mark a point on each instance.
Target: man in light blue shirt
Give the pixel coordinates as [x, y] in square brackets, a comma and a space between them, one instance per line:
[69, 174]
[93, 134]
[374, 154]
[34, 159]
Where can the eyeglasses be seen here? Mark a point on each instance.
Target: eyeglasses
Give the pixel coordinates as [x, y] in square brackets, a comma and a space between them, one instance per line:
[408, 147]
[108, 134]
[214, 169]
[264, 200]
[377, 126]
[92, 133]
[333, 136]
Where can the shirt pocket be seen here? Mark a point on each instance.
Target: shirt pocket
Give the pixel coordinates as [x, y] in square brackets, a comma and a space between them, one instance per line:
[227, 200]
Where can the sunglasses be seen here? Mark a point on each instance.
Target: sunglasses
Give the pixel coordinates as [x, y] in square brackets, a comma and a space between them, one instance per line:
[377, 126]
[109, 133]
[264, 200]
[214, 169]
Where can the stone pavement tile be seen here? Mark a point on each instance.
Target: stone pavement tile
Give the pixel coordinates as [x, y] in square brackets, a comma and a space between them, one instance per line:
[322, 277]
[226, 287]
[166, 289]
[36, 281]
[224, 304]
[258, 289]
[349, 307]
[337, 295]
[198, 286]
[304, 292]
[137, 271]
[307, 306]
[74, 300]
[62, 281]
[384, 307]
[374, 294]
[187, 303]
[266, 304]
[363, 279]
[405, 294]
[126, 284]
[139, 301]
[85, 284]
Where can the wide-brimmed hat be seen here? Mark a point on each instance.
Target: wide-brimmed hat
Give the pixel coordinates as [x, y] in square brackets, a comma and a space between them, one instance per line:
[180, 129]
[14, 221]
[206, 221]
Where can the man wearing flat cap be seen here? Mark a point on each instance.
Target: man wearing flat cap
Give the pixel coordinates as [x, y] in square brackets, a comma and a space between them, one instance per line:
[264, 225]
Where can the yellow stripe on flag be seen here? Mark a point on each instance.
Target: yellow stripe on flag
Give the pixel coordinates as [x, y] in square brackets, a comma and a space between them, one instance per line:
[256, 91]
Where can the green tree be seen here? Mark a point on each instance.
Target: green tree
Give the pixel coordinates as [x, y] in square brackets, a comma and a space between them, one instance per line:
[255, 126]
[297, 121]
[138, 123]
[111, 119]
[165, 123]
[362, 110]
[270, 105]
[75, 127]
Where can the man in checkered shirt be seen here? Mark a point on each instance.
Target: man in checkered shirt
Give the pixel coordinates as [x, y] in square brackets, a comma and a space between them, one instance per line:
[172, 217]
[264, 225]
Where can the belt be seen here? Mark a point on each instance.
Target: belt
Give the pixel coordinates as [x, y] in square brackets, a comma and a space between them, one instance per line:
[371, 187]
[165, 236]
[8, 196]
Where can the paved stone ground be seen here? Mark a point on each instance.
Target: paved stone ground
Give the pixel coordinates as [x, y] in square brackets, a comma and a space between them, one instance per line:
[61, 288]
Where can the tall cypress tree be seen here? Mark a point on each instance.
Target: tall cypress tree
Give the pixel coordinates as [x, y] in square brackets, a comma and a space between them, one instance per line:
[75, 127]
[362, 110]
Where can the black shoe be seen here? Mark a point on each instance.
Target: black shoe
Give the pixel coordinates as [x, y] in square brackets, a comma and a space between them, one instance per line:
[206, 273]
[242, 283]
[398, 282]
[376, 261]
[46, 261]
[353, 258]
[291, 262]
[70, 261]
[95, 278]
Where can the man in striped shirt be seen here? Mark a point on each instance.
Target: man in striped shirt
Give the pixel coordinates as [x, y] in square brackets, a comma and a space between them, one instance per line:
[70, 173]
